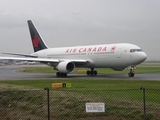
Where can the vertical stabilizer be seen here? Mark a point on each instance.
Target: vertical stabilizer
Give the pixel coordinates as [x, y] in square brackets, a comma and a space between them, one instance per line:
[37, 42]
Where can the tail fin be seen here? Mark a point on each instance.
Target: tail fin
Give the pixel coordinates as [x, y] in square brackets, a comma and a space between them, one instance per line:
[37, 41]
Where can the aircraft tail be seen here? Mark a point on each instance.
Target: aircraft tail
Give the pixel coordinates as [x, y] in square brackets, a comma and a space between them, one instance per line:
[37, 41]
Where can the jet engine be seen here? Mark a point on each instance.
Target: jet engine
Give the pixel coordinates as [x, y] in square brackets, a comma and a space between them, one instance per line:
[66, 67]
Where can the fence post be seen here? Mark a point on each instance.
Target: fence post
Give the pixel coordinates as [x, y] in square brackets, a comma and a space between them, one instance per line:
[47, 88]
[144, 101]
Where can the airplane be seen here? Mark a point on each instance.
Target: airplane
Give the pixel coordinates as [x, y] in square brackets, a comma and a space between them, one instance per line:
[65, 59]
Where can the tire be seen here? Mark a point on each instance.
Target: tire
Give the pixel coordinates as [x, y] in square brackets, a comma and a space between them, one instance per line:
[88, 72]
[95, 72]
[131, 74]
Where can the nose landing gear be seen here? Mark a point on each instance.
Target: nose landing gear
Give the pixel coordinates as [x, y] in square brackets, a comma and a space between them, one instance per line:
[131, 73]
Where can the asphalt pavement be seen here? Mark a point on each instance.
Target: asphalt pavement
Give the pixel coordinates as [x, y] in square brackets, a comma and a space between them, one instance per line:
[10, 72]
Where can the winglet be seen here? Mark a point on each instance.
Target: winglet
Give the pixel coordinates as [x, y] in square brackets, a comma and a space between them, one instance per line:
[37, 41]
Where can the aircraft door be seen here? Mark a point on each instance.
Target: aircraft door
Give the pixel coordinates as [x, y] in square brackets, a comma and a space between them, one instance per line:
[119, 53]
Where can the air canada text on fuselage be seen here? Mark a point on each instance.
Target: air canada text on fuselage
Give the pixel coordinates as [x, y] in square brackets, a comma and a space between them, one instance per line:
[88, 49]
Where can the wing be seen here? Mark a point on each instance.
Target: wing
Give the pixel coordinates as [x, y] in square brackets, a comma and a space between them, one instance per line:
[44, 60]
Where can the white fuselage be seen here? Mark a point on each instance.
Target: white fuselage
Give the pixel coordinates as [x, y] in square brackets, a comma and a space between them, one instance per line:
[115, 56]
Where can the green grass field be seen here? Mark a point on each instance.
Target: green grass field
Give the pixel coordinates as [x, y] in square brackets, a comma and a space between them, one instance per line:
[119, 95]
[87, 84]
[80, 85]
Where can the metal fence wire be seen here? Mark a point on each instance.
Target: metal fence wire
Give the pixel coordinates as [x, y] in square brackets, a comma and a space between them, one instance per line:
[65, 104]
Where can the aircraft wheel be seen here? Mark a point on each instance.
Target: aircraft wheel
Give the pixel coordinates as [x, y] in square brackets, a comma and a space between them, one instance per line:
[131, 74]
[58, 74]
[88, 72]
[64, 74]
[61, 74]
[92, 72]
[95, 72]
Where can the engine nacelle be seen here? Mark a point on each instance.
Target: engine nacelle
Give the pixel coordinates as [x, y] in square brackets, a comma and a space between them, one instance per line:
[66, 67]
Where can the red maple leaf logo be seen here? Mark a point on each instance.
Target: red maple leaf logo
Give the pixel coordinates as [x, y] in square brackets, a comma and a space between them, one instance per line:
[113, 48]
[35, 41]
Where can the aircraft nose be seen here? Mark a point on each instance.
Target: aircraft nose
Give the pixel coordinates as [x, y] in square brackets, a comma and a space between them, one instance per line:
[143, 56]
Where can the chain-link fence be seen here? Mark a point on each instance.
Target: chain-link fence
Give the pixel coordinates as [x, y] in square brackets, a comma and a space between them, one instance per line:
[65, 104]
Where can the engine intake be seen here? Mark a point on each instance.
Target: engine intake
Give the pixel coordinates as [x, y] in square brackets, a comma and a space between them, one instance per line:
[66, 67]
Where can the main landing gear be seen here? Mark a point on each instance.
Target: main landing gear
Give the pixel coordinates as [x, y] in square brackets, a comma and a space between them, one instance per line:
[61, 74]
[131, 73]
[92, 72]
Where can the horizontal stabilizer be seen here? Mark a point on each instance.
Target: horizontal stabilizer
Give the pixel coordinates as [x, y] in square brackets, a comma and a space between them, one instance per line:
[20, 54]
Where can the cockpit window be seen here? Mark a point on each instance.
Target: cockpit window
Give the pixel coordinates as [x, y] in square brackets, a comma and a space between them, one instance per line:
[135, 50]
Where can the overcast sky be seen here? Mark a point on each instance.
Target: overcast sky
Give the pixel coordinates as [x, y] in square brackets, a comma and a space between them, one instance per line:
[81, 22]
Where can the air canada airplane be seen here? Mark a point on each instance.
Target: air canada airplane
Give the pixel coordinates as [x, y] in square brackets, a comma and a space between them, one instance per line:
[66, 59]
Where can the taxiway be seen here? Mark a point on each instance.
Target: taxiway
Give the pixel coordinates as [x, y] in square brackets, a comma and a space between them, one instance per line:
[10, 73]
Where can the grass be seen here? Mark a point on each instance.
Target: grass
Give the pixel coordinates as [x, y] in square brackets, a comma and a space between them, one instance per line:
[96, 85]
[88, 84]
[122, 97]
